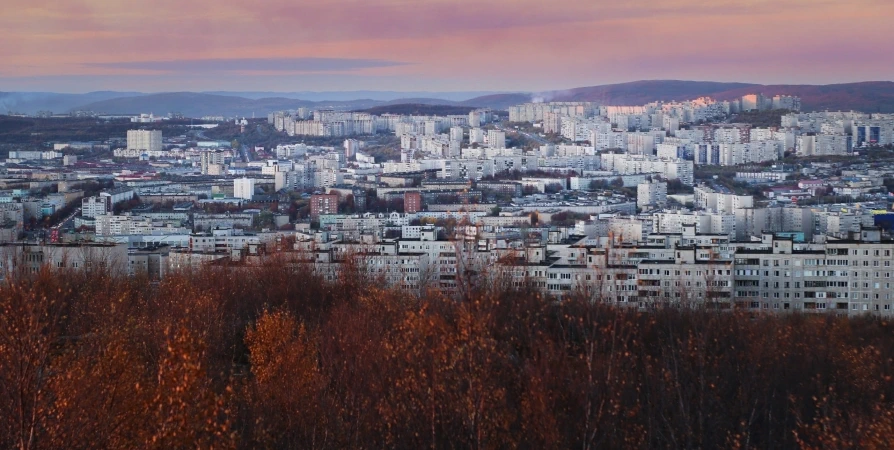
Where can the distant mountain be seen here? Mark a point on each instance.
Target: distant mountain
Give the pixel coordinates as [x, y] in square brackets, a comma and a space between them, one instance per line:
[866, 96]
[420, 109]
[383, 96]
[193, 104]
[642, 92]
[498, 101]
[870, 96]
[32, 102]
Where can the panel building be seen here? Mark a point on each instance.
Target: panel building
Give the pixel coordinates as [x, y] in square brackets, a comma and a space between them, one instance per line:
[144, 140]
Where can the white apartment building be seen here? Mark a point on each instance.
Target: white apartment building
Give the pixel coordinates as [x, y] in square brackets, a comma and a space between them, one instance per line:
[467, 169]
[111, 225]
[725, 203]
[212, 162]
[651, 193]
[704, 222]
[496, 139]
[292, 180]
[222, 240]
[750, 153]
[732, 135]
[244, 188]
[823, 144]
[670, 169]
[456, 134]
[640, 144]
[94, 206]
[476, 136]
[33, 257]
[144, 140]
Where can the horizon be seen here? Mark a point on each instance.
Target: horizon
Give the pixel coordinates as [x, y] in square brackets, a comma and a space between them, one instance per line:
[279, 46]
[430, 91]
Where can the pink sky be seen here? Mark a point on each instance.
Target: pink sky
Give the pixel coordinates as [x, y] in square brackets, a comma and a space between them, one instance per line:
[298, 45]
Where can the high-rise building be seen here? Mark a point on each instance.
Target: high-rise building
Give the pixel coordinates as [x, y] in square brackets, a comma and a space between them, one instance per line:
[144, 140]
[456, 134]
[323, 204]
[212, 162]
[496, 139]
[244, 188]
[412, 202]
[352, 146]
[651, 193]
[476, 136]
[94, 206]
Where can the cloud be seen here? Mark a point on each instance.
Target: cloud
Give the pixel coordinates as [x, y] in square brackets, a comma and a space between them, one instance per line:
[252, 65]
[445, 44]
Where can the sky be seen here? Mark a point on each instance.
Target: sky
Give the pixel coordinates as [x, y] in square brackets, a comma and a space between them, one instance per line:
[436, 45]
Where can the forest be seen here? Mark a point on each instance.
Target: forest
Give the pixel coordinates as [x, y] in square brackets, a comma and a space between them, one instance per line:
[272, 356]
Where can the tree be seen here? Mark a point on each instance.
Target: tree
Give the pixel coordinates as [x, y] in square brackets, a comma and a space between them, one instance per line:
[598, 185]
[535, 219]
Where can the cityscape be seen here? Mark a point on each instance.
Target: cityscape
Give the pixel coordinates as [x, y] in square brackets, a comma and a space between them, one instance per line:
[616, 201]
[373, 254]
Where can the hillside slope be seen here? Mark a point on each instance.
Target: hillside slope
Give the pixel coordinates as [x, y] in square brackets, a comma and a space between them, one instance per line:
[870, 96]
[875, 96]
[642, 92]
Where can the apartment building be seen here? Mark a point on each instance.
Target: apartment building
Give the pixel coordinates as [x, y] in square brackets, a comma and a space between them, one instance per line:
[244, 188]
[713, 200]
[651, 193]
[144, 140]
[412, 202]
[31, 258]
[496, 139]
[323, 204]
[94, 206]
[670, 169]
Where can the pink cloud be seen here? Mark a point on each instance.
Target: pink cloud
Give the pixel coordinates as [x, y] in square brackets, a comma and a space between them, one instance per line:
[517, 44]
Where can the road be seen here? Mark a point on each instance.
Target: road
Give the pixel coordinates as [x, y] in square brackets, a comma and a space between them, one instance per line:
[535, 137]
[68, 221]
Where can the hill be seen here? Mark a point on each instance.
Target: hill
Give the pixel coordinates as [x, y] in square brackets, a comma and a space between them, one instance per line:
[192, 104]
[642, 92]
[383, 96]
[418, 109]
[498, 101]
[875, 96]
[870, 96]
[32, 102]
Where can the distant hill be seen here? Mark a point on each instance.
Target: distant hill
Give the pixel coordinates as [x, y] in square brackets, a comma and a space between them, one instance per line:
[875, 96]
[642, 92]
[419, 109]
[32, 102]
[869, 96]
[498, 101]
[383, 96]
[193, 104]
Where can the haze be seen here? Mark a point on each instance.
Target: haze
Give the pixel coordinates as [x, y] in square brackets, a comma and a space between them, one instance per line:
[165, 45]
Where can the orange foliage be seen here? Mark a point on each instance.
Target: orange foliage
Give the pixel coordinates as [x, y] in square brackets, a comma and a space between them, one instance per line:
[274, 357]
